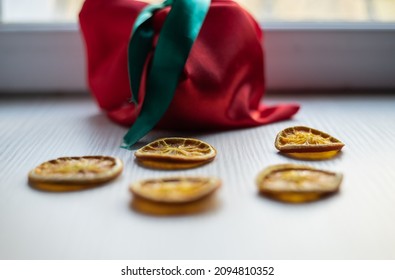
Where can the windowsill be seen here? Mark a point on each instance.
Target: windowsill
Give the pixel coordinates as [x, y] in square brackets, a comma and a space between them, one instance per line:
[99, 223]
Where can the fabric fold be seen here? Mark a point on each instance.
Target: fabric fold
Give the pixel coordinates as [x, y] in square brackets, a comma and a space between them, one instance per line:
[221, 85]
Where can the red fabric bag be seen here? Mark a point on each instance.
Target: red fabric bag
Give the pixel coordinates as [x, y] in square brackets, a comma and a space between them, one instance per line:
[222, 83]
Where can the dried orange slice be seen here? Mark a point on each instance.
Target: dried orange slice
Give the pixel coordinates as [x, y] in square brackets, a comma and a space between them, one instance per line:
[297, 183]
[175, 153]
[73, 173]
[307, 143]
[145, 206]
[175, 189]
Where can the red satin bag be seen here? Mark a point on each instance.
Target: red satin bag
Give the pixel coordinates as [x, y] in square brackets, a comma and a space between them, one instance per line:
[223, 80]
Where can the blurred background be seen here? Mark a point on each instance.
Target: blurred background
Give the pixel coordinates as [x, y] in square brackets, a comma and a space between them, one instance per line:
[47, 11]
[309, 44]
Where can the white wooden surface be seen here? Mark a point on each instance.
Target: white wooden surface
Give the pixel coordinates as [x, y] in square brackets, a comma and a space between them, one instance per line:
[358, 223]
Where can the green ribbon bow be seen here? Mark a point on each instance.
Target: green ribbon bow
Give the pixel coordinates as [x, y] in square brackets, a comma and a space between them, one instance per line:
[176, 38]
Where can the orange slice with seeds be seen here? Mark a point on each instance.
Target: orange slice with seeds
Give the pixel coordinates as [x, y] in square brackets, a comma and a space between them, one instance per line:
[175, 189]
[74, 173]
[307, 143]
[175, 153]
[297, 183]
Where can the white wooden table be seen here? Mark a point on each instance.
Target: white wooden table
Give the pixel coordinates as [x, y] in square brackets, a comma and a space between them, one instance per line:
[357, 223]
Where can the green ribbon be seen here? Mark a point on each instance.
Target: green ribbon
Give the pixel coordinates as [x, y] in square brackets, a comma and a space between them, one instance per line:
[179, 32]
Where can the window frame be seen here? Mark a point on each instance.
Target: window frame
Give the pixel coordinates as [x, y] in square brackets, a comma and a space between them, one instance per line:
[298, 56]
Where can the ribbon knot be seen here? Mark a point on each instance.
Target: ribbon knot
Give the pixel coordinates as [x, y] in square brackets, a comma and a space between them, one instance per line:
[176, 38]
